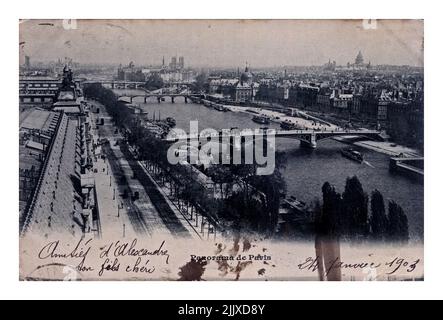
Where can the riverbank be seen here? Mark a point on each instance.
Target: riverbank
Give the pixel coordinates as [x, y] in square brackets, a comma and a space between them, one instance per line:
[306, 170]
[279, 117]
[385, 147]
[143, 210]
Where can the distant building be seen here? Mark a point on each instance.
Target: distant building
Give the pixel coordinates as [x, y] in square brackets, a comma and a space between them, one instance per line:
[27, 62]
[244, 88]
[382, 110]
[306, 94]
[171, 75]
[406, 121]
[68, 99]
[181, 63]
[359, 63]
[282, 92]
[38, 90]
[341, 102]
[356, 104]
[173, 63]
[130, 73]
[324, 99]
[243, 92]
[246, 76]
[359, 60]
[375, 106]
[240, 88]
[330, 66]
[222, 86]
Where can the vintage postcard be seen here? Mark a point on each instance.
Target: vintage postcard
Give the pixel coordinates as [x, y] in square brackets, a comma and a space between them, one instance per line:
[221, 150]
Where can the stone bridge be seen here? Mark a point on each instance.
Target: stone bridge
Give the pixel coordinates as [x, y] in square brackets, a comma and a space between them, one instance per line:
[306, 137]
[159, 96]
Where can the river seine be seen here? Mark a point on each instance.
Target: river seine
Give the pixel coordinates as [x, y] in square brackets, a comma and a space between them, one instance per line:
[306, 170]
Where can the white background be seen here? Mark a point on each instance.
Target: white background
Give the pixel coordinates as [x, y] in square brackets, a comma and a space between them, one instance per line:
[10, 287]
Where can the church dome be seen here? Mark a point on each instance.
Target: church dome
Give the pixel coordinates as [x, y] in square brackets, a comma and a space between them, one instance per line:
[246, 76]
[359, 59]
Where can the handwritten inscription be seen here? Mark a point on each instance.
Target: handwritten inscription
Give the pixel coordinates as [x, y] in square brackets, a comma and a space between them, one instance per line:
[394, 266]
[110, 256]
[138, 259]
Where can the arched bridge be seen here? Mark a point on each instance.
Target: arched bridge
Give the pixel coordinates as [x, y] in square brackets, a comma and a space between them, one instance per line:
[117, 84]
[306, 137]
[159, 96]
[126, 84]
[311, 137]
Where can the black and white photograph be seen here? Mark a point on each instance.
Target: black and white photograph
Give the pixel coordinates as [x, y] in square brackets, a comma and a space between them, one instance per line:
[221, 159]
[221, 149]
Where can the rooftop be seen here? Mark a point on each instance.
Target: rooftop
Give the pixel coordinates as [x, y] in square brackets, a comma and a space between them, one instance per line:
[29, 159]
[39, 78]
[42, 120]
[57, 205]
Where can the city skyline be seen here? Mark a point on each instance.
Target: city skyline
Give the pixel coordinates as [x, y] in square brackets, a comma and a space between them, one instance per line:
[224, 43]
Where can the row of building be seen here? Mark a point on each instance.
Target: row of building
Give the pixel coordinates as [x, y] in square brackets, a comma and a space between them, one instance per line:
[56, 192]
[44, 91]
[173, 72]
[372, 103]
[240, 89]
[390, 98]
[398, 109]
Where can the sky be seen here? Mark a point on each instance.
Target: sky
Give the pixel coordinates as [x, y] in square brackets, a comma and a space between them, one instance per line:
[224, 43]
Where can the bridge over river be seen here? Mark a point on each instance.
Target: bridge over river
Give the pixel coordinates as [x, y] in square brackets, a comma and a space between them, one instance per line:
[307, 137]
[307, 169]
[160, 96]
